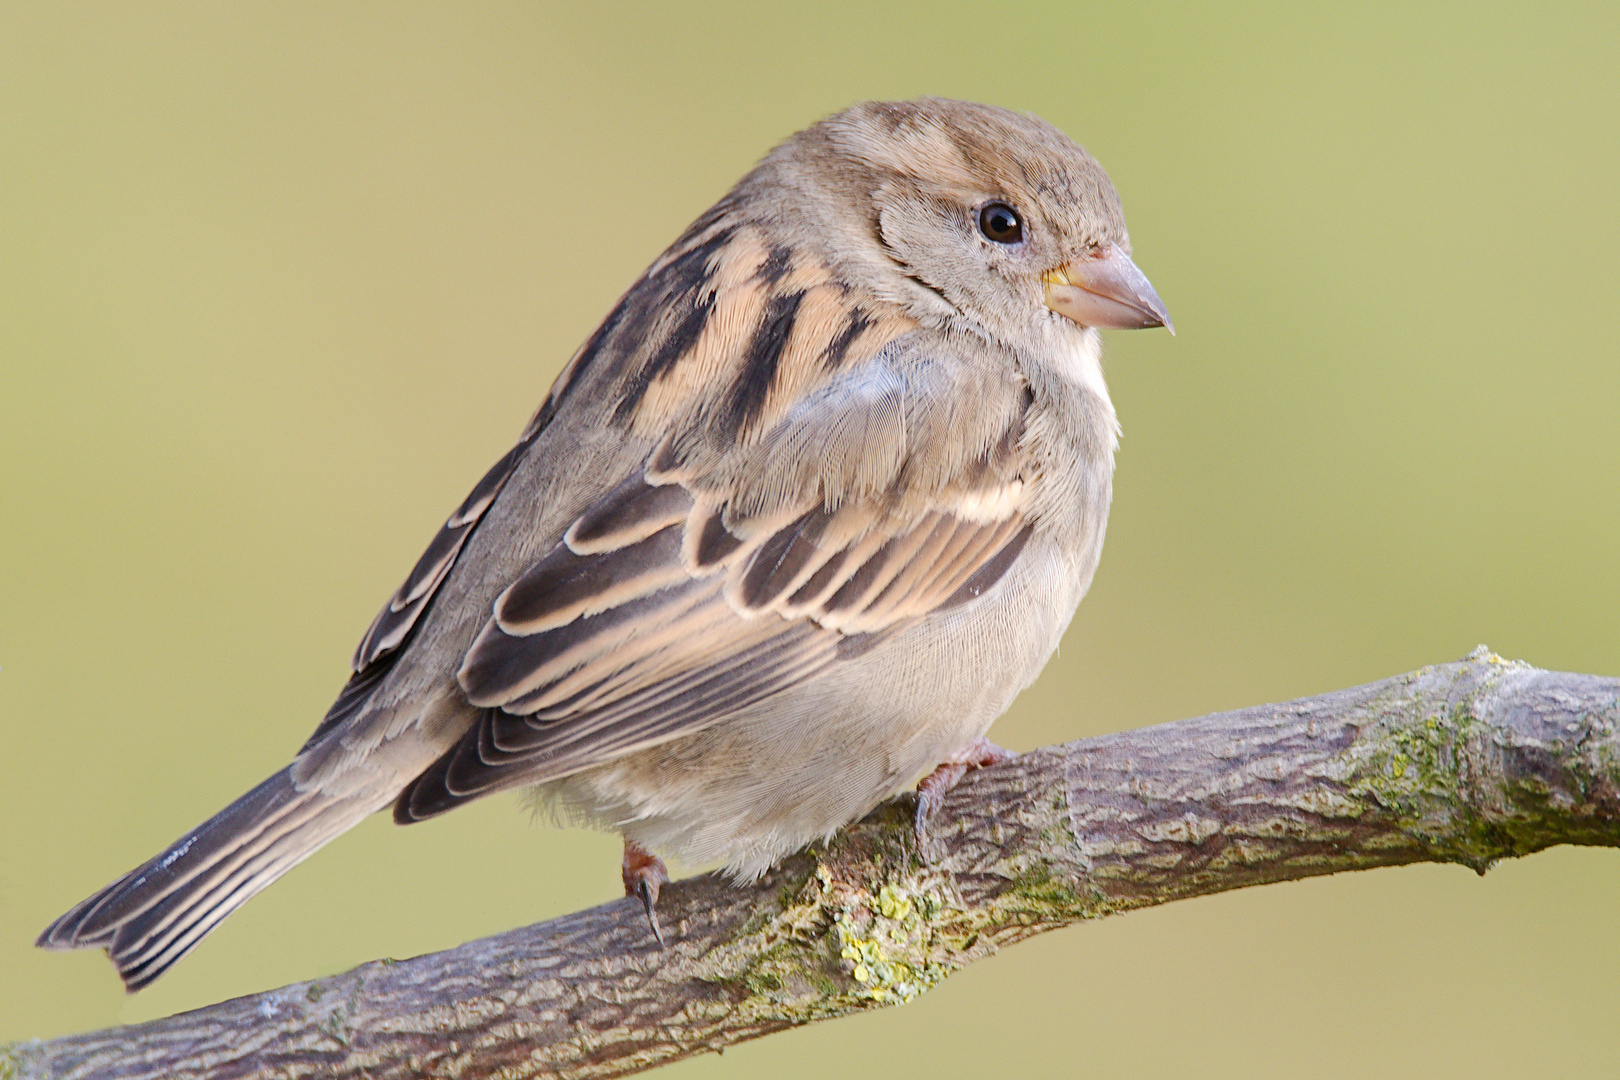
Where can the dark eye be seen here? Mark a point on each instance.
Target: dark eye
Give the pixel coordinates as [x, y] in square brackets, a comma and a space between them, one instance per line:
[1000, 222]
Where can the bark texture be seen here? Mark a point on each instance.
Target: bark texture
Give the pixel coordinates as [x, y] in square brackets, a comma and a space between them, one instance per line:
[1469, 762]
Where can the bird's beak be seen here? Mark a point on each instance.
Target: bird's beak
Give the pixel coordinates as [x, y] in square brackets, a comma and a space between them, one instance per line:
[1105, 289]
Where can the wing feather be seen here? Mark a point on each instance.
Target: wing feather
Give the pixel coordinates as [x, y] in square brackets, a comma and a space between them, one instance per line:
[681, 597]
[565, 586]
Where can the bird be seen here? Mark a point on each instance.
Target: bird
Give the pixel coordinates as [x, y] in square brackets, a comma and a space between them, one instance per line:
[791, 529]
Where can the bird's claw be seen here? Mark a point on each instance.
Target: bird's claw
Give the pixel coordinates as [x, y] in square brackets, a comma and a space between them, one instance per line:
[643, 874]
[931, 790]
[648, 891]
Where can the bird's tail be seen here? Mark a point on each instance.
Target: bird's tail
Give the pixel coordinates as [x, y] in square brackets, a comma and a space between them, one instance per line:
[155, 914]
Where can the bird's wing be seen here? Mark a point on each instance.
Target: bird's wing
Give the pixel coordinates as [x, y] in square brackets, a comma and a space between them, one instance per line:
[722, 307]
[724, 570]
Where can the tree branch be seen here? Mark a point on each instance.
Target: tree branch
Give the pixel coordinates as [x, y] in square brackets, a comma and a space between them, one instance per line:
[1467, 762]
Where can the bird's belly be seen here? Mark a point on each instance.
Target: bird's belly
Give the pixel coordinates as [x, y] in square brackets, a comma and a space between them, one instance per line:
[796, 767]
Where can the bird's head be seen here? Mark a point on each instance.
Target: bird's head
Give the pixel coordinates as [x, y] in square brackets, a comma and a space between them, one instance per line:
[954, 210]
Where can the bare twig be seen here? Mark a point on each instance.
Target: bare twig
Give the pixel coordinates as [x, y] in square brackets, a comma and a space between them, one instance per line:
[1467, 762]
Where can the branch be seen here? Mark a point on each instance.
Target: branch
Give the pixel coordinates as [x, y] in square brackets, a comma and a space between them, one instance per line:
[1468, 762]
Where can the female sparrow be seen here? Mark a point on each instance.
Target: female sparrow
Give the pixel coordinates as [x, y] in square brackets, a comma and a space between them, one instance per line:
[792, 528]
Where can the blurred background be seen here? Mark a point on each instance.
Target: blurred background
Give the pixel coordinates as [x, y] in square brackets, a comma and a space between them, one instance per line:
[278, 282]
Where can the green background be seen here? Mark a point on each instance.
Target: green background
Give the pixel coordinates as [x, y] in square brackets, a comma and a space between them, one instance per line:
[277, 283]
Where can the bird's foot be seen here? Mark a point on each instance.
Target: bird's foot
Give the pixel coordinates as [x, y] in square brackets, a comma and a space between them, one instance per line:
[977, 754]
[643, 873]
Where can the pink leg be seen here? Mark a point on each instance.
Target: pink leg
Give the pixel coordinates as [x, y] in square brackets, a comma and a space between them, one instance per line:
[643, 873]
[975, 755]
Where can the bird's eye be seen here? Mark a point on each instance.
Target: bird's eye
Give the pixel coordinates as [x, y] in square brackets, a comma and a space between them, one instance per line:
[1001, 223]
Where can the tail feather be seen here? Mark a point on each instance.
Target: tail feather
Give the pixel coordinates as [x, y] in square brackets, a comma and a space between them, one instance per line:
[160, 911]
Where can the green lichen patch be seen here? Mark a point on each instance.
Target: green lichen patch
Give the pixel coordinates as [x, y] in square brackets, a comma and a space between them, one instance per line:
[854, 933]
[1444, 778]
[888, 951]
[1412, 768]
[890, 933]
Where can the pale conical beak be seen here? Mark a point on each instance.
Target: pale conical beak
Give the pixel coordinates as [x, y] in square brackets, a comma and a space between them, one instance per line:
[1105, 289]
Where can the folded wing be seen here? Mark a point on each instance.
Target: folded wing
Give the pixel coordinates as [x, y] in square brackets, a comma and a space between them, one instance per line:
[705, 582]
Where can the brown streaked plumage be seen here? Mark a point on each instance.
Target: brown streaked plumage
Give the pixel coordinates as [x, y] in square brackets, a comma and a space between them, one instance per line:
[792, 528]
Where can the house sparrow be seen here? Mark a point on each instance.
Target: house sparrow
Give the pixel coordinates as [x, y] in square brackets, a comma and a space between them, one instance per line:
[792, 528]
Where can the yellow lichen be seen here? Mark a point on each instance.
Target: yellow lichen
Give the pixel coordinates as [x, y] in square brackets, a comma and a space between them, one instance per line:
[888, 946]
